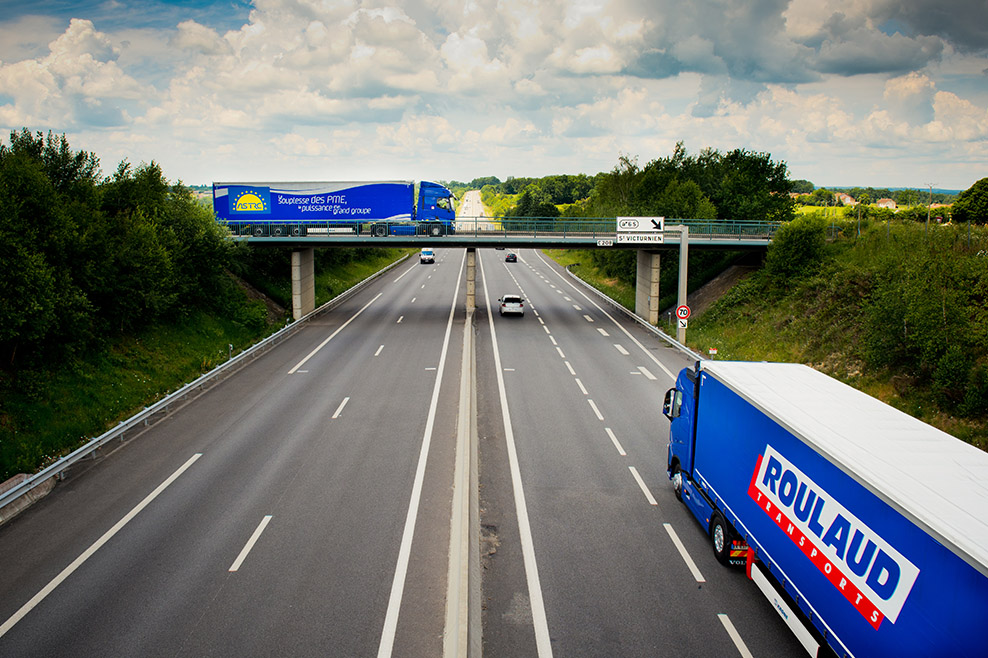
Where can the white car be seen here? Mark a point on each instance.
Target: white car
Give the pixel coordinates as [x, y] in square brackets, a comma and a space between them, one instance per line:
[426, 256]
[511, 304]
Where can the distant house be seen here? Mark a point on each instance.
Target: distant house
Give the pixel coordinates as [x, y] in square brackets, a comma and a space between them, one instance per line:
[886, 203]
[845, 199]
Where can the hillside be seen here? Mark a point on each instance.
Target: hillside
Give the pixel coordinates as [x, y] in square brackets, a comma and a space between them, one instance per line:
[899, 311]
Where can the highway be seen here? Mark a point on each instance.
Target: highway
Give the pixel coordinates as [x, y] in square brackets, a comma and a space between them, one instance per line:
[302, 507]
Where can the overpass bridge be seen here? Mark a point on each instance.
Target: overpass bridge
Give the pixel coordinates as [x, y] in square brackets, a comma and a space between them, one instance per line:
[472, 232]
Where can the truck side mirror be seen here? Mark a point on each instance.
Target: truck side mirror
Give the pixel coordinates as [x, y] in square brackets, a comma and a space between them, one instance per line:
[673, 401]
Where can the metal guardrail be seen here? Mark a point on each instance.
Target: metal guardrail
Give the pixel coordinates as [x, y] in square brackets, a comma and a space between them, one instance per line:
[468, 229]
[144, 419]
[639, 319]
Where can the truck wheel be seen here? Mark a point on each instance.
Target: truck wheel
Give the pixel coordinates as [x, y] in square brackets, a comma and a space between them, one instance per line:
[379, 230]
[720, 537]
[677, 482]
[436, 230]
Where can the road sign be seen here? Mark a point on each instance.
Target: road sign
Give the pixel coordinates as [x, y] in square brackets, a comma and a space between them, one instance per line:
[605, 243]
[640, 224]
[682, 312]
[645, 238]
[682, 323]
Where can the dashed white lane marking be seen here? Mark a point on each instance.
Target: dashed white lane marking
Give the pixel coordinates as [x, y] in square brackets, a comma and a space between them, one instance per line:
[400, 319]
[339, 409]
[615, 442]
[683, 552]
[603, 332]
[621, 349]
[250, 543]
[647, 374]
[379, 350]
[570, 368]
[560, 352]
[588, 318]
[735, 636]
[593, 405]
[582, 387]
[641, 483]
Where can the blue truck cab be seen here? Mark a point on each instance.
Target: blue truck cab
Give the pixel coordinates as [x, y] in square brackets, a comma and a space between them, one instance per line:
[865, 528]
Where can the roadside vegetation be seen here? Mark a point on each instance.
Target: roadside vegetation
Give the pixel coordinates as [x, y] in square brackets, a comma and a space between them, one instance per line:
[116, 290]
[883, 300]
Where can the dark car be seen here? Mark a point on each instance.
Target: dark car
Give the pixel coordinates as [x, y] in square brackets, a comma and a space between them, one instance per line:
[510, 258]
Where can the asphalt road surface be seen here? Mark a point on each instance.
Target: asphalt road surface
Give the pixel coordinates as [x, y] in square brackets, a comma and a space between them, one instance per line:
[302, 507]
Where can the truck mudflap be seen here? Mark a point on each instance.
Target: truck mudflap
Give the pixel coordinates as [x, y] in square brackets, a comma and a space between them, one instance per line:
[780, 605]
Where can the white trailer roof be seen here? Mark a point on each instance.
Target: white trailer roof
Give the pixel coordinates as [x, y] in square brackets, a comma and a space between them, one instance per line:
[935, 480]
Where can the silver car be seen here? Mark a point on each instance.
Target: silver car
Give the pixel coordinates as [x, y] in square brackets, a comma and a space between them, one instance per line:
[511, 304]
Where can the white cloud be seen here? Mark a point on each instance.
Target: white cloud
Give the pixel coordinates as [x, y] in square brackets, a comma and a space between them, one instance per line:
[456, 89]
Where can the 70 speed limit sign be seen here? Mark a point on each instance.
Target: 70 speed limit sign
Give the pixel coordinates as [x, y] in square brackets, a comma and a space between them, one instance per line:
[682, 312]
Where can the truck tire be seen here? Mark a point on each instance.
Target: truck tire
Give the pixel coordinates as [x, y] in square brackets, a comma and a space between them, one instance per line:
[379, 230]
[436, 230]
[721, 536]
[677, 482]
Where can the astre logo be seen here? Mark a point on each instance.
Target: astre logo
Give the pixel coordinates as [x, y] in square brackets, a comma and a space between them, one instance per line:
[874, 577]
[251, 200]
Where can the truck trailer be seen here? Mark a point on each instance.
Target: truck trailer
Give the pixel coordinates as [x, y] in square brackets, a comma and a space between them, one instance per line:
[864, 527]
[298, 209]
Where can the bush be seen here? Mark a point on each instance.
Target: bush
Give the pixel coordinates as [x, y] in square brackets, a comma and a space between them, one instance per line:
[796, 249]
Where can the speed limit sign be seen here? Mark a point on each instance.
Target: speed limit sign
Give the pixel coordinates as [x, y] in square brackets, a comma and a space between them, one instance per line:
[682, 312]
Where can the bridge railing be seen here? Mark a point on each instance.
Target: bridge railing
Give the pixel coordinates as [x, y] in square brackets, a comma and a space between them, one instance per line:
[578, 228]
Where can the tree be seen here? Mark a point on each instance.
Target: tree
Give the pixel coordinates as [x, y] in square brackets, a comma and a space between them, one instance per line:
[972, 204]
[802, 186]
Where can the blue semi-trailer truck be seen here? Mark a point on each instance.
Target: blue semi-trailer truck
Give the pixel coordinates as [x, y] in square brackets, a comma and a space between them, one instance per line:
[866, 528]
[298, 209]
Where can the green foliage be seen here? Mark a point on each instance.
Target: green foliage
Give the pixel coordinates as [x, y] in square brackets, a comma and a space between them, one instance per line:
[900, 311]
[796, 249]
[972, 204]
[802, 186]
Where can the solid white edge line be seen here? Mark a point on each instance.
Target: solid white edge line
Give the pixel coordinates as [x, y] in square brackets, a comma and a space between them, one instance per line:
[250, 543]
[88, 553]
[539, 622]
[405, 549]
[685, 555]
[406, 272]
[333, 335]
[339, 409]
[735, 636]
[611, 318]
[644, 488]
[615, 442]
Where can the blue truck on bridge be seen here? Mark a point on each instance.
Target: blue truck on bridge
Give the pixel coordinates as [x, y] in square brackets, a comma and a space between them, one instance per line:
[865, 528]
[297, 209]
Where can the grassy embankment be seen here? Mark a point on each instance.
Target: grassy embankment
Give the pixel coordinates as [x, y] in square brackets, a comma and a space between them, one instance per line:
[58, 410]
[900, 312]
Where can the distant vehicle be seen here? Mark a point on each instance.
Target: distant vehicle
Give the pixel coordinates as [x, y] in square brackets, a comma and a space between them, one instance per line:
[511, 305]
[499, 248]
[863, 526]
[298, 209]
[426, 256]
[510, 258]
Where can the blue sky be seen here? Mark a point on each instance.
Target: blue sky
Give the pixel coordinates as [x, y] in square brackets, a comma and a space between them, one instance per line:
[846, 92]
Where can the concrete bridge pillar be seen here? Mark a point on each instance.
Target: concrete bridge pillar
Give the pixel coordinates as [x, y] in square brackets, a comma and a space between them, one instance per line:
[471, 278]
[303, 282]
[647, 286]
